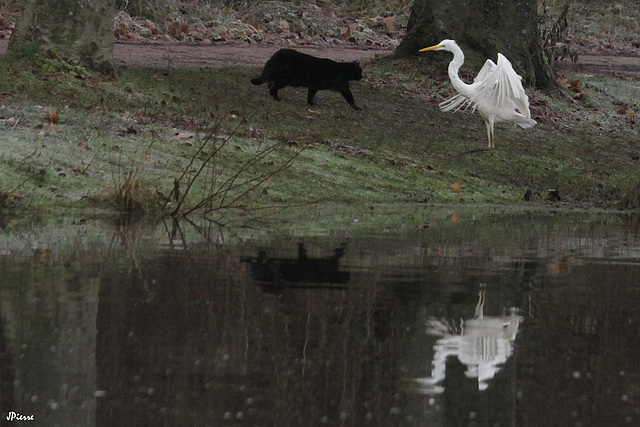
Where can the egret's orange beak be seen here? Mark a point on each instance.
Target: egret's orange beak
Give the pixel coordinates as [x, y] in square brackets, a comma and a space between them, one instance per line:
[430, 48]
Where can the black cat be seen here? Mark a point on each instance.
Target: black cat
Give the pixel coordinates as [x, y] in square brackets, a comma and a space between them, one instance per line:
[288, 67]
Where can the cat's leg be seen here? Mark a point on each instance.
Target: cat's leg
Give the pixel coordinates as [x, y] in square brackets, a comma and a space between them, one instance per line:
[273, 89]
[346, 93]
[310, 95]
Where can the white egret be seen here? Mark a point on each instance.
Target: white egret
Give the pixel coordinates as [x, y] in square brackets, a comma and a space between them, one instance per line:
[496, 92]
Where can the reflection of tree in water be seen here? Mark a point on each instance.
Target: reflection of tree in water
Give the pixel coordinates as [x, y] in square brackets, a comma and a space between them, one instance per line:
[581, 348]
[211, 342]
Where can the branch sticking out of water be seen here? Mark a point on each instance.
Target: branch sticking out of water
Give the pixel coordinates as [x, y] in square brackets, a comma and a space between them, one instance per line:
[225, 188]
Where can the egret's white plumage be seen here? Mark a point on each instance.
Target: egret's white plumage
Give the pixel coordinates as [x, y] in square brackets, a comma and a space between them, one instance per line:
[496, 92]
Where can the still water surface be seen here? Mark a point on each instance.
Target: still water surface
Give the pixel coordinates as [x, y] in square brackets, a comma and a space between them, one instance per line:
[414, 317]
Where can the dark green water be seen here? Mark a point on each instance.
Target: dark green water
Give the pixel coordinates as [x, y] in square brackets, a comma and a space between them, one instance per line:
[358, 317]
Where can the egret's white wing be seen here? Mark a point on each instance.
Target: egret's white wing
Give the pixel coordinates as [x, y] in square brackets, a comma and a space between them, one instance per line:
[500, 93]
[457, 103]
[461, 102]
[487, 69]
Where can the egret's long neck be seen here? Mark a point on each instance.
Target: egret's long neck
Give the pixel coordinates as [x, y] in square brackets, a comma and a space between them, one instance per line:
[454, 67]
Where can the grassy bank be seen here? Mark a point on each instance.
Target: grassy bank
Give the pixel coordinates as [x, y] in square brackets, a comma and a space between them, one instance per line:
[79, 143]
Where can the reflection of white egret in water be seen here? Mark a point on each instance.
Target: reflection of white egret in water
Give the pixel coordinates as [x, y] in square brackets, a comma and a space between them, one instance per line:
[482, 343]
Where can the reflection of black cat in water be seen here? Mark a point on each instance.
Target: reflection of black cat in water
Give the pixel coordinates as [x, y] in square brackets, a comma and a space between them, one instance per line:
[288, 67]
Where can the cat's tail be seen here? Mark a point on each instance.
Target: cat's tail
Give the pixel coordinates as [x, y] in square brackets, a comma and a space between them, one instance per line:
[258, 80]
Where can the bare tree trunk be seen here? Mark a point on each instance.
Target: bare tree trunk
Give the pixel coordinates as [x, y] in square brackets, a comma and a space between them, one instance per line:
[482, 28]
[78, 29]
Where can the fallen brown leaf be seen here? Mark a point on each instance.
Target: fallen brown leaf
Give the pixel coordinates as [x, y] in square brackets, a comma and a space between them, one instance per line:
[184, 135]
[51, 117]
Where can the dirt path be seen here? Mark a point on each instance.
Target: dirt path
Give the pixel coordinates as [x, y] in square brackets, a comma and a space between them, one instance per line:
[179, 55]
[603, 65]
[164, 55]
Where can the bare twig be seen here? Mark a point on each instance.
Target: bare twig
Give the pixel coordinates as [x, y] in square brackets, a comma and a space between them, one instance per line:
[224, 192]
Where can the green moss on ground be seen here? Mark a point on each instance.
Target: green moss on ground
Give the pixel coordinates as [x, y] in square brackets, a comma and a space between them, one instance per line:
[399, 149]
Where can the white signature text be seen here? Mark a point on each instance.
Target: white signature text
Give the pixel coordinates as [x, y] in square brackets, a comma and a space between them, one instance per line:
[12, 416]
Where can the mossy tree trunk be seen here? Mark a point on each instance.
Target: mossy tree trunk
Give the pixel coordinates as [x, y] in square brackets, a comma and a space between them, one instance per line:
[482, 28]
[78, 29]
